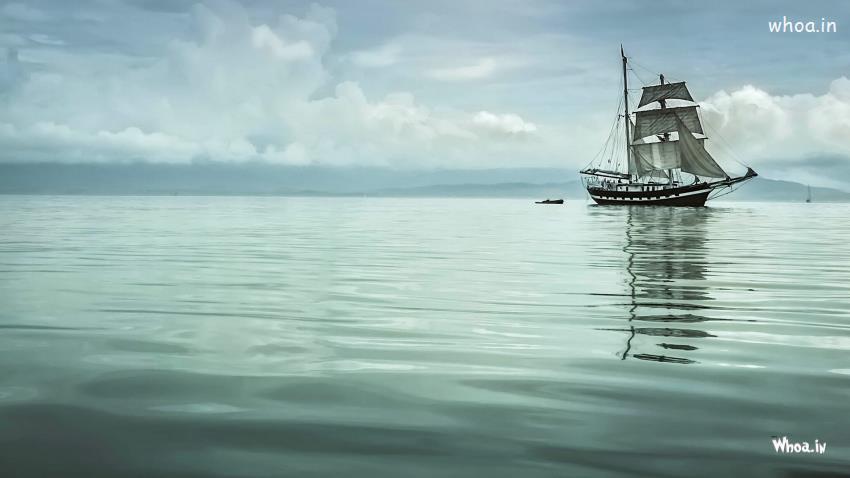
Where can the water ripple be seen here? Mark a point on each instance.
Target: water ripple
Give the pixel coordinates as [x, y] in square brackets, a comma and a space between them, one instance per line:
[235, 336]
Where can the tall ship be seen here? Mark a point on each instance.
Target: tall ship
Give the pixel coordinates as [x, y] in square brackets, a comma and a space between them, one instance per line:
[664, 161]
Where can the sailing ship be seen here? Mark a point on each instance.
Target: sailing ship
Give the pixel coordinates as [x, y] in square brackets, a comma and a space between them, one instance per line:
[665, 157]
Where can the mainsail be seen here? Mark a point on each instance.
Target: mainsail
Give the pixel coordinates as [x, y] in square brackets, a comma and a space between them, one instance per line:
[687, 153]
[667, 91]
[695, 159]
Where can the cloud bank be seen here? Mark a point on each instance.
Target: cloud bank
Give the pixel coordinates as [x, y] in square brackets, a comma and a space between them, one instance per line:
[764, 127]
[164, 81]
[242, 90]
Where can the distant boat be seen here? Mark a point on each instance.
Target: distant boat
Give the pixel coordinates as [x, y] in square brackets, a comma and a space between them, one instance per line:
[550, 201]
[809, 194]
[666, 163]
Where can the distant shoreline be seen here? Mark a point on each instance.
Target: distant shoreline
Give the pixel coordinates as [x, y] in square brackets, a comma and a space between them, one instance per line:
[145, 179]
[568, 200]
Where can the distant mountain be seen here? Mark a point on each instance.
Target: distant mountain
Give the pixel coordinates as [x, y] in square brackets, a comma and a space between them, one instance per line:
[571, 189]
[268, 179]
[248, 178]
[762, 189]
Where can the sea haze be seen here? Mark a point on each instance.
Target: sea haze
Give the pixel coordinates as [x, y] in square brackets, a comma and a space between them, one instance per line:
[380, 337]
[258, 178]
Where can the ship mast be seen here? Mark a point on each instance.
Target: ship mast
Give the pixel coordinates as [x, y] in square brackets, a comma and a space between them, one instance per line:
[627, 121]
[666, 136]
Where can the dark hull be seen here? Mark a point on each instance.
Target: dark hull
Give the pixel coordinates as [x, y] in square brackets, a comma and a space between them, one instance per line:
[550, 201]
[694, 195]
[695, 200]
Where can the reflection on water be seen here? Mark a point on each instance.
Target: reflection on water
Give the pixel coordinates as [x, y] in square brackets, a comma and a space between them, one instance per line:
[665, 266]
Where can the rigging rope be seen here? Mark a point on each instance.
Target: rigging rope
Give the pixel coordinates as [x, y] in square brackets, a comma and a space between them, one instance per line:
[730, 191]
[656, 74]
[723, 143]
[604, 147]
[601, 154]
[635, 73]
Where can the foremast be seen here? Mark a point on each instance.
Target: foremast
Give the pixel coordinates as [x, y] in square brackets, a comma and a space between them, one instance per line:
[626, 118]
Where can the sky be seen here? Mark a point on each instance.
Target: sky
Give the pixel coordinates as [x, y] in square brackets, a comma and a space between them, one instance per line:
[414, 84]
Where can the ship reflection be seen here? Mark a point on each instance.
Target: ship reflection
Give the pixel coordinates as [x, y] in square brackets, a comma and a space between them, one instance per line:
[666, 264]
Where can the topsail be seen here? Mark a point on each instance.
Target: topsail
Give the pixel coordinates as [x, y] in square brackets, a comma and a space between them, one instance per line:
[667, 91]
[660, 121]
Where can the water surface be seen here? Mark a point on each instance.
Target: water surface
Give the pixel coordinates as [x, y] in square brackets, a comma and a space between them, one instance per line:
[247, 337]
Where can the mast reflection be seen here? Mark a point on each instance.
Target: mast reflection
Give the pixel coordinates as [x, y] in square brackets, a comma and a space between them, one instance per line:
[666, 264]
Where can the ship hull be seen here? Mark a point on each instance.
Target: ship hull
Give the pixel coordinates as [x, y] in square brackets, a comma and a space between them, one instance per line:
[686, 196]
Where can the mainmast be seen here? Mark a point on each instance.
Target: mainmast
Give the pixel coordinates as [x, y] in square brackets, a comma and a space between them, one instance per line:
[626, 104]
[666, 136]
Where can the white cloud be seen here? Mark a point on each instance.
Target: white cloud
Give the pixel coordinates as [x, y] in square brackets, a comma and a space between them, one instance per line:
[506, 123]
[262, 37]
[42, 141]
[231, 83]
[483, 68]
[759, 126]
[244, 90]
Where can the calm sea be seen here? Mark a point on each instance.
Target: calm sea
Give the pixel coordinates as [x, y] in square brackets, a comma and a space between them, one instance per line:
[248, 337]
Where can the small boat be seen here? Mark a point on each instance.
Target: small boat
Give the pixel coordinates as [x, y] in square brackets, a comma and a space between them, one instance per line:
[664, 161]
[550, 201]
[809, 196]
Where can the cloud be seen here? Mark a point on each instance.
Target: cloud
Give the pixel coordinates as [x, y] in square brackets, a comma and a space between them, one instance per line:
[262, 37]
[225, 82]
[760, 126]
[44, 140]
[483, 68]
[507, 123]
[237, 90]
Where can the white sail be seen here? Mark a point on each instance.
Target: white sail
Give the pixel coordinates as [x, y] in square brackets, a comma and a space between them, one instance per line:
[657, 156]
[651, 122]
[667, 91]
[695, 159]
